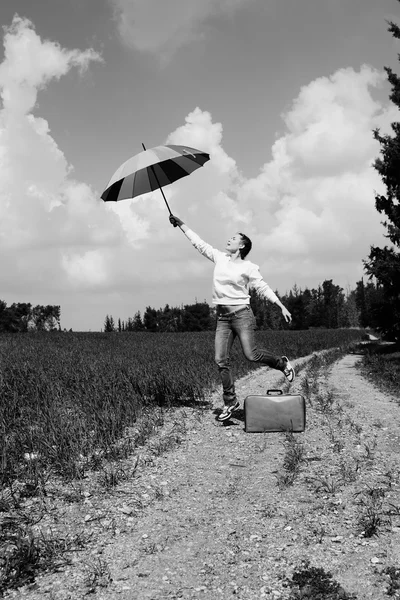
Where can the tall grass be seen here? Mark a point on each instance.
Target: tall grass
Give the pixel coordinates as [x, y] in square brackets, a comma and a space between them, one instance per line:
[383, 368]
[68, 398]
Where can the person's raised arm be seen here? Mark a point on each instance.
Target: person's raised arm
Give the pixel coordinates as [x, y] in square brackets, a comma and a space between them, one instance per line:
[205, 249]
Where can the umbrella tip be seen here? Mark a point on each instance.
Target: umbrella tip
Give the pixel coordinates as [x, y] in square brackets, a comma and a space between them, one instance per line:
[144, 147]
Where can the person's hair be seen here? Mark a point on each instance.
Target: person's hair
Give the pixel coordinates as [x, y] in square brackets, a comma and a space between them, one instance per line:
[246, 246]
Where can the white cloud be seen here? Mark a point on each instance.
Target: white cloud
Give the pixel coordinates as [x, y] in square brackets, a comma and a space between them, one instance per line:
[31, 63]
[316, 196]
[85, 270]
[310, 211]
[49, 223]
[160, 26]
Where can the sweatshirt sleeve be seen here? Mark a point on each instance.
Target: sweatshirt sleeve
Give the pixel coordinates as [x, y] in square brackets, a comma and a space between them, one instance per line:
[205, 249]
[257, 282]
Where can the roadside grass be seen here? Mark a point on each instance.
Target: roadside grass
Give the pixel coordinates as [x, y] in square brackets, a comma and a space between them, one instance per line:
[24, 553]
[381, 366]
[314, 583]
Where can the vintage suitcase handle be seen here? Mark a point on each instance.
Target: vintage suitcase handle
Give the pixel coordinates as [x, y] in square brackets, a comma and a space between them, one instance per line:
[274, 392]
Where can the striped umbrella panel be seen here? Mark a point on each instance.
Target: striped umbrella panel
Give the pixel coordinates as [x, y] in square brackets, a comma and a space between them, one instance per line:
[144, 180]
[156, 155]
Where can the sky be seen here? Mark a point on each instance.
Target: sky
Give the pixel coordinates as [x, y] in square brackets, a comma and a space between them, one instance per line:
[283, 95]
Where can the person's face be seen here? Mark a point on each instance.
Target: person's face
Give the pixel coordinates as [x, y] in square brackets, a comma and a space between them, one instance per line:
[234, 243]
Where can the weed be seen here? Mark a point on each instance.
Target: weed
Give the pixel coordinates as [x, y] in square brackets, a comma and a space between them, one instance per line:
[25, 554]
[372, 514]
[294, 456]
[394, 583]
[112, 476]
[370, 448]
[338, 443]
[294, 452]
[313, 583]
[150, 548]
[8, 499]
[319, 532]
[325, 484]
[324, 401]
[306, 389]
[371, 519]
[75, 494]
[356, 427]
[97, 575]
[393, 510]
[286, 479]
[262, 447]
[158, 492]
[349, 469]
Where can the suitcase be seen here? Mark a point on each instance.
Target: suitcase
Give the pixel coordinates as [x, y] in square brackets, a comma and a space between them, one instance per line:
[274, 412]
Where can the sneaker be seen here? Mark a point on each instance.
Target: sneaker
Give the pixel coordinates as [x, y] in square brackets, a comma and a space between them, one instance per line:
[227, 412]
[288, 370]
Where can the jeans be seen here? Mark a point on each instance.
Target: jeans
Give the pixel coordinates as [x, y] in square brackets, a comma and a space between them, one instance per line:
[242, 325]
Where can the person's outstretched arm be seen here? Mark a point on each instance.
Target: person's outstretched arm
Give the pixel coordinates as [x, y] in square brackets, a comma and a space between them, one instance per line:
[205, 249]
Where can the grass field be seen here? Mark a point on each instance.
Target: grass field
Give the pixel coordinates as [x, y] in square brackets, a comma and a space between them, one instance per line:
[68, 399]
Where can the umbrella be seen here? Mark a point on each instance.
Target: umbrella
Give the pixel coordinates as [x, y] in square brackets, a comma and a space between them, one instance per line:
[153, 169]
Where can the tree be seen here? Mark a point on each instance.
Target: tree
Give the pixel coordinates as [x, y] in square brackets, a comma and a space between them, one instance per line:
[196, 317]
[296, 303]
[137, 324]
[349, 315]
[150, 319]
[267, 315]
[21, 317]
[384, 263]
[109, 325]
[333, 301]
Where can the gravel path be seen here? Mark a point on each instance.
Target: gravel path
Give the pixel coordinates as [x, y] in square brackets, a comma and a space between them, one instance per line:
[218, 525]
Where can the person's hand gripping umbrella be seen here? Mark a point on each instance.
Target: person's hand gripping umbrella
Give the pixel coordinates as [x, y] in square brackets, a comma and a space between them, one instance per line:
[153, 169]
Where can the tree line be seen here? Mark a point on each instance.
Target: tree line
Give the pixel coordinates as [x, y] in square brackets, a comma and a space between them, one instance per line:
[21, 316]
[326, 306]
[384, 263]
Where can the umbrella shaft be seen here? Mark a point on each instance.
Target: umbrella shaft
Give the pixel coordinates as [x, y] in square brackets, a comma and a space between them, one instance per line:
[155, 175]
[161, 190]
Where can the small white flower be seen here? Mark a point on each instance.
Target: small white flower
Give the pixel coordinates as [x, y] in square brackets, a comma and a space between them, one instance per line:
[31, 456]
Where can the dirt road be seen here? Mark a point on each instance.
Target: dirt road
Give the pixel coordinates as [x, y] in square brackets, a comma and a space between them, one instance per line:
[212, 518]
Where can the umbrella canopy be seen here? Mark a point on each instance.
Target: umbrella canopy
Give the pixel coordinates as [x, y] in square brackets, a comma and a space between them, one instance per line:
[153, 169]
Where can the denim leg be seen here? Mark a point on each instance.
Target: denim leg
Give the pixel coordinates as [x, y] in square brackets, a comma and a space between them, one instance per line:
[244, 326]
[224, 338]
